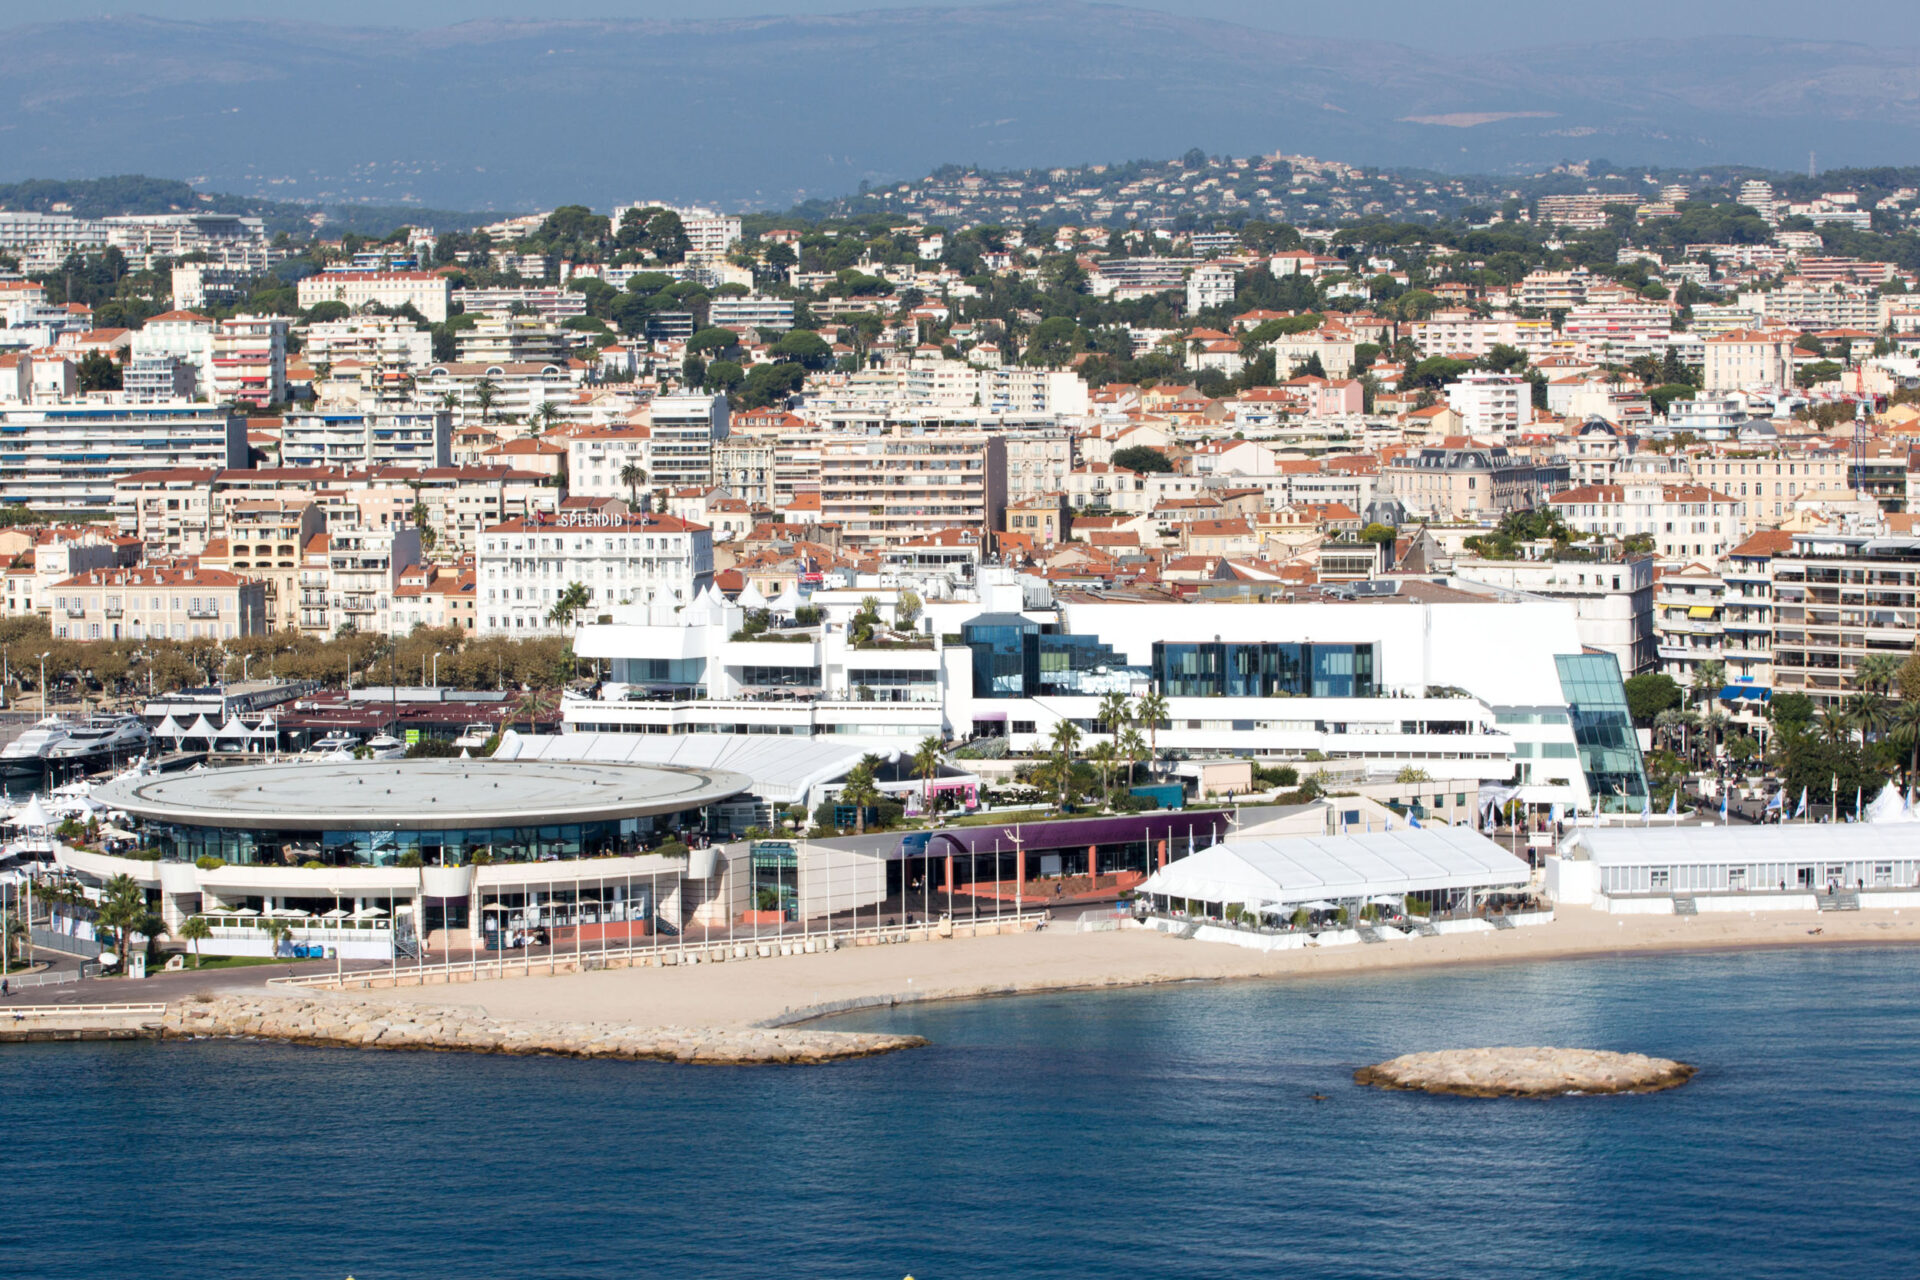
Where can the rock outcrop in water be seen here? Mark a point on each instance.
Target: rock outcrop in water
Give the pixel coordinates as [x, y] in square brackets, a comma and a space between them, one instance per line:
[1526, 1072]
[367, 1025]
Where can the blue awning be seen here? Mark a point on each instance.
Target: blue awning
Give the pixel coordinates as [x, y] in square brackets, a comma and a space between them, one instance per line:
[1745, 693]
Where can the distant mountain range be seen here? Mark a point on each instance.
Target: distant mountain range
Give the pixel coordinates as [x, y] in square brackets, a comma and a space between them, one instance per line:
[761, 113]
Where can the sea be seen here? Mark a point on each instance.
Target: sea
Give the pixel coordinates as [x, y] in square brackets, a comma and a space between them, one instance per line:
[1194, 1130]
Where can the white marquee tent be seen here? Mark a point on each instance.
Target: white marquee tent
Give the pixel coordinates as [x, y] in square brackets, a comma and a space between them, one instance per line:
[1294, 871]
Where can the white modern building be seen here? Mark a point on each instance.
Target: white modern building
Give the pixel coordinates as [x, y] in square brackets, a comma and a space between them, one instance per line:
[367, 439]
[68, 457]
[428, 293]
[1395, 684]
[1491, 404]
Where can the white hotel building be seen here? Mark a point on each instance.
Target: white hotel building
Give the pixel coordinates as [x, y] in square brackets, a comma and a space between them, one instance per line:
[522, 567]
[1390, 684]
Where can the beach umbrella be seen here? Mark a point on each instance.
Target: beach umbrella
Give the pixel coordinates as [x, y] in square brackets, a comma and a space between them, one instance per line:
[369, 913]
[238, 911]
[338, 913]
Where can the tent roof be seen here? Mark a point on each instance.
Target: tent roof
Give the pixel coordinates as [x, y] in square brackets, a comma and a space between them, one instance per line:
[33, 816]
[1743, 845]
[1300, 869]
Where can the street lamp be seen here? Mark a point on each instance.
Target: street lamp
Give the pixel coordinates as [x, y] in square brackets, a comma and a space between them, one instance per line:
[43, 685]
[436, 667]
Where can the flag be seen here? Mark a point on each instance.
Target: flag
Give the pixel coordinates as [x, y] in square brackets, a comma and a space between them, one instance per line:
[1856, 804]
[1801, 810]
[1779, 800]
[1411, 821]
[1673, 804]
[1390, 820]
[1646, 810]
[1723, 806]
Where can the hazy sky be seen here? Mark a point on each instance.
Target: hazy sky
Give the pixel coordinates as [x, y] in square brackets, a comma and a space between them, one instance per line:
[1460, 25]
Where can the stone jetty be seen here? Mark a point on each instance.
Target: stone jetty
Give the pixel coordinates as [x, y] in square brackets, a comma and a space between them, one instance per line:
[363, 1025]
[1530, 1072]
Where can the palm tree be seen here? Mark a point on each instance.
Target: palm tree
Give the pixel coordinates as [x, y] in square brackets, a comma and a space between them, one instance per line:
[1115, 712]
[278, 931]
[860, 791]
[576, 597]
[1709, 678]
[1870, 714]
[1151, 711]
[926, 763]
[1833, 724]
[1877, 672]
[1105, 757]
[1906, 733]
[633, 475]
[486, 393]
[123, 912]
[194, 930]
[546, 415]
[1133, 749]
[1066, 737]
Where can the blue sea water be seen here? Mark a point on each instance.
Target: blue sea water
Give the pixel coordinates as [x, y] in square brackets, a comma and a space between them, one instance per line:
[1165, 1132]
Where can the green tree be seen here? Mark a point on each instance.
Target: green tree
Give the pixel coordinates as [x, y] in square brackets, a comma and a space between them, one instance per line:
[1878, 672]
[1381, 534]
[1648, 694]
[1064, 742]
[195, 930]
[906, 610]
[862, 792]
[1105, 757]
[575, 597]
[1791, 712]
[123, 912]
[926, 766]
[633, 475]
[1133, 749]
[1116, 712]
[99, 372]
[485, 393]
[1151, 711]
[1144, 459]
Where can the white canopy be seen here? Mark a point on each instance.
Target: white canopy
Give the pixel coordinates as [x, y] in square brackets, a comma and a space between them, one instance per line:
[169, 728]
[750, 598]
[232, 729]
[1890, 806]
[200, 728]
[788, 602]
[32, 816]
[1303, 870]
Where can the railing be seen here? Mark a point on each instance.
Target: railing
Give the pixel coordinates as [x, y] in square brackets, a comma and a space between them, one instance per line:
[55, 978]
[682, 950]
[20, 1012]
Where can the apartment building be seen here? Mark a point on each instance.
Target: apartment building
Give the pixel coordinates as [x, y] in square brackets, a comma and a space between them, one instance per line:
[375, 439]
[1685, 521]
[1771, 483]
[1461, 484]
[683, 433]
[1611, 599]
[348, 576]
[435, 596]
[751, 312]
[513, 340]
[551, 305]
[249, 360]
[1750, 360]
[57, 554]
[523, 567]
[264, 540]
[158, 379]
[156, 602]
[425, 291]
[597, 461]
[495, 392]
[1492, 404]
[227, 240]
[912, 481]
[1212, 285]
[381, 341]
[1689, 608]
[1746, 620]
[1461, 333]
[69, 457]
[1836, 599]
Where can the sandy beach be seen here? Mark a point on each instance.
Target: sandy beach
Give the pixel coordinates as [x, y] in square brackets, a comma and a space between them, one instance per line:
[789, 989]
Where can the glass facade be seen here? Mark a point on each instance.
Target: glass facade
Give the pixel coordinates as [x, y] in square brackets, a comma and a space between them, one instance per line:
[1238, 670]
[1013, 658]
[1603, 729]
[451, 847]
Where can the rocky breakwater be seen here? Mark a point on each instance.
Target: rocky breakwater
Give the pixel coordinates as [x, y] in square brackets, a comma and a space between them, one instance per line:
[367, 1025]
[1526, 1072]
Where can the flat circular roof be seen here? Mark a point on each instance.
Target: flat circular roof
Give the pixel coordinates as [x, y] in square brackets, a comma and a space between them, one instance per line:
[389, 795]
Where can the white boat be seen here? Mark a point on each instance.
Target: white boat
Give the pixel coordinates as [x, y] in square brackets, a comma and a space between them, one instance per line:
[474, 736]
[103, 738]
[38, 742]
[333, 743]
[384, 746]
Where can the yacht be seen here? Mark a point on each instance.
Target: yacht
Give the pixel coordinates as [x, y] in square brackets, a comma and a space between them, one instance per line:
[101, 739]
[474, 736]
[384, 746]
[38, 742]
[332, 743]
